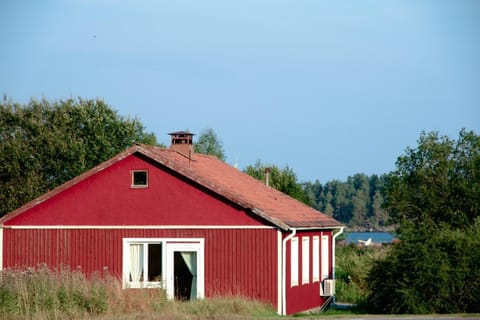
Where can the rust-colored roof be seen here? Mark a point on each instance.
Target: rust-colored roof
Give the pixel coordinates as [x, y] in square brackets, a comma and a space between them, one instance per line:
[271, 205]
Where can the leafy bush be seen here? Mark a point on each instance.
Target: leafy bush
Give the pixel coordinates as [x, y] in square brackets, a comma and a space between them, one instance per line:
[435, 272]
[434, 197]
[352, 267]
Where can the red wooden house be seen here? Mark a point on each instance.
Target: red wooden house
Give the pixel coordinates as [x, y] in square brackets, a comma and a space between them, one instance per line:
[187, 222]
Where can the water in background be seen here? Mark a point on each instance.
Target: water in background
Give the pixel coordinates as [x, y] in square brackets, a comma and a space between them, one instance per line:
[377, 237]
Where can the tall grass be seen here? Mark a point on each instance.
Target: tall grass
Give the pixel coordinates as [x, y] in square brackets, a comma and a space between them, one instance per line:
[353, 264]
[42, 293]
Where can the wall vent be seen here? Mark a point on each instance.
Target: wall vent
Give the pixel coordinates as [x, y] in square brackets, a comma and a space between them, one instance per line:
[328, 288]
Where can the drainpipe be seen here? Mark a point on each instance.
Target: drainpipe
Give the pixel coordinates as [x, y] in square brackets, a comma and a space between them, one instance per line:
[284, 270]
[333, 255]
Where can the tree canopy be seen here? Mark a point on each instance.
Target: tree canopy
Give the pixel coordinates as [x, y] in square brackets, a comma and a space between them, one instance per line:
[434, 197]
[439, 181]
[209, 143]
[43, 144]
[282, 179]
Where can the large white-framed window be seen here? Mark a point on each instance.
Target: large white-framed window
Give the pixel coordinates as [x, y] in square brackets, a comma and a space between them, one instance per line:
[315, 259]
[143, 263]
[305, 260]
[175, 264]
[294, 262]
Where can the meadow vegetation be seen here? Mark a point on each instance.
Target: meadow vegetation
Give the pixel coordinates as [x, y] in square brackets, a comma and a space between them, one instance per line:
[43, 293]
[353, 264]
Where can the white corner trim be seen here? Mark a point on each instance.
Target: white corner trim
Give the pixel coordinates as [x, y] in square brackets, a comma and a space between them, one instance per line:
[279, 272]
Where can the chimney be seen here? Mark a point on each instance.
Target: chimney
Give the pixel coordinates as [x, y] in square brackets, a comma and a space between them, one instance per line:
[267, 176]
[182, 142]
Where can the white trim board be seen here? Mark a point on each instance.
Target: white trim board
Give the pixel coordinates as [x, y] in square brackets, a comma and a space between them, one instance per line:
[279, 272]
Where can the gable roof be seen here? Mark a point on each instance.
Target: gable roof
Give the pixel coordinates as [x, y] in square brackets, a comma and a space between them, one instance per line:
[267, 203]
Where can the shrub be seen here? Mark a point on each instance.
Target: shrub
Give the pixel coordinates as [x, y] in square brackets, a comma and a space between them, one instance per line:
[434, 270]
[352, 267]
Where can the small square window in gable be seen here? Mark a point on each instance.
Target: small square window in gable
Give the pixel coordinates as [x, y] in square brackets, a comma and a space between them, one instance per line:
[139, 179]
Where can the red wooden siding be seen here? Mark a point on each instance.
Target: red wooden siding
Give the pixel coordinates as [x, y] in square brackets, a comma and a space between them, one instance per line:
[237, 261]
[106, 198]
[305, 296]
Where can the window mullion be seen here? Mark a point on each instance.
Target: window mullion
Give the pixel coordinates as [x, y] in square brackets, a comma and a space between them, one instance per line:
[145, 262]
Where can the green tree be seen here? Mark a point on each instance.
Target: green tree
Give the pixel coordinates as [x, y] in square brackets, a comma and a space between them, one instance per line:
[284, 180]
[438, 180]
[314, 193]
[209, 143]
[43, 144]
[434, 197]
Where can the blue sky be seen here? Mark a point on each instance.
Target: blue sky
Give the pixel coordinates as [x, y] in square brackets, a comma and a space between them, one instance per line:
[330, 88]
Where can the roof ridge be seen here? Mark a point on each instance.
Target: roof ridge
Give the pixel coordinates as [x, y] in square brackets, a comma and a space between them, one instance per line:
[218, 176]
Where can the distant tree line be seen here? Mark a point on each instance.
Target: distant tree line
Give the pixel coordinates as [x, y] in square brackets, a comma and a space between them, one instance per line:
[357, 202]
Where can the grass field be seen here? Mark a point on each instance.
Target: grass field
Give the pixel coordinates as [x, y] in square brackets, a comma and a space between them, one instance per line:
[66, 294]
[42, 293]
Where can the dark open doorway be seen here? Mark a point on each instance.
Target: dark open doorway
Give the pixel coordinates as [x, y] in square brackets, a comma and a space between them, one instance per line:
[184, 275]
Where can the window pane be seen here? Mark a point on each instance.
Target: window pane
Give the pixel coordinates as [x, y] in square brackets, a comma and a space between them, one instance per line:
[140, 178]
[136, 262]
[155, 262]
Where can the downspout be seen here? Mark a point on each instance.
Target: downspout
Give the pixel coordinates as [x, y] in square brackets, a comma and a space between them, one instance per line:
[333, 255]
[284, 270]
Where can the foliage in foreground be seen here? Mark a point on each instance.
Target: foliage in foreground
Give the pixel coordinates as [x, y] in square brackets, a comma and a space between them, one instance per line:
[434, 196]
[436, 271]
[64, 294]
[353, 265]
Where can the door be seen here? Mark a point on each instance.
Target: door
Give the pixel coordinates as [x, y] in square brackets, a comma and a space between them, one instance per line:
[185, 271]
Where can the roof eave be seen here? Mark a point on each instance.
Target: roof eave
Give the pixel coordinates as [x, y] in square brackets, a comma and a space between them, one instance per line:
[276, 222]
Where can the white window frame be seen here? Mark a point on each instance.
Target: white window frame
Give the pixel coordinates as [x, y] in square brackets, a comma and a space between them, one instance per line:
[139, 186]
[294, 261]
[126, 263]
[187, 247]
[315, 259]
[197, 243]
[305, 260]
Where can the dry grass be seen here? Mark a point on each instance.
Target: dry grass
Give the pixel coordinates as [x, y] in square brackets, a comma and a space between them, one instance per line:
[42, 293]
